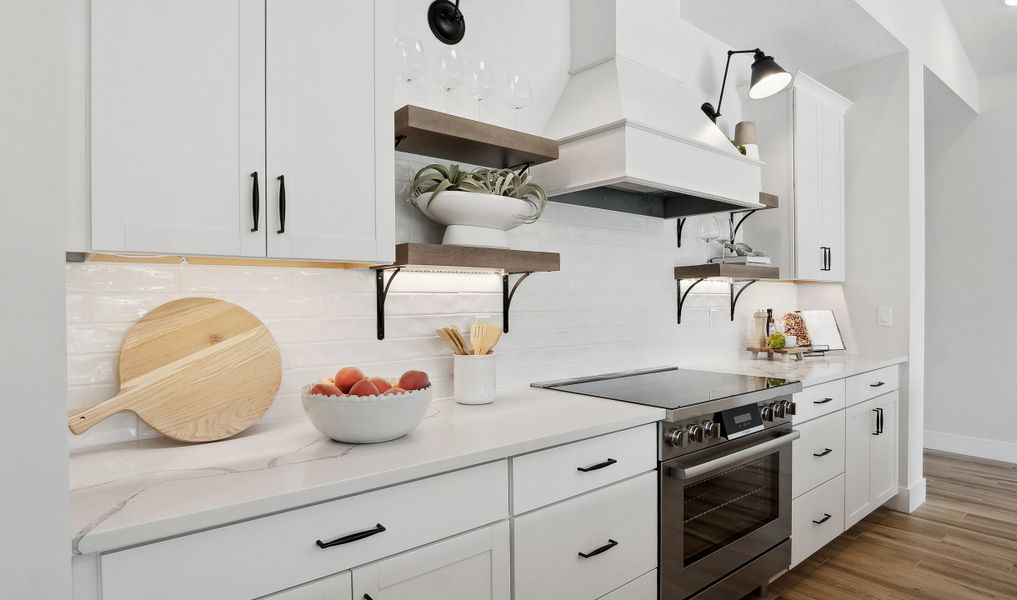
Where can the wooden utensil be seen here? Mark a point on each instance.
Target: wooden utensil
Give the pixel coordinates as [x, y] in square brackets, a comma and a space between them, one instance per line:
[450, 341]
[484, 336]
[457, 335]
[196, 370]
[477, 337]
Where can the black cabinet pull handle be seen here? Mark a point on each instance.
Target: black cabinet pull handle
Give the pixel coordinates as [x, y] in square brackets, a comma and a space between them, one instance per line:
[877, 431]
[877, 384]
[879, 420]
[353, 537]
[823, 453]
[255, 200]
[823, 401]
[368, 597]
[282, 204]
[829, 258]
[610, 544]
[606, 463]
[826, 517]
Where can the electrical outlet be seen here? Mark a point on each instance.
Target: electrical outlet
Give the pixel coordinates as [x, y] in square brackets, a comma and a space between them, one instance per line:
[885, 317]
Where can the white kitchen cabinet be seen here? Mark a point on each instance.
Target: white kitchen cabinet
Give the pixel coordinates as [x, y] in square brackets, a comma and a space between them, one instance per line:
[190, 99]
[473, 565]
[177, 126]
[336, 587]
[801, 138]
[330, 130]
[871, 460]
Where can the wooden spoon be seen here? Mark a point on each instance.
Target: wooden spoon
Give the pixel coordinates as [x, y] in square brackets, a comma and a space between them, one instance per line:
[449, 341]
[490, 337]
[457, 335]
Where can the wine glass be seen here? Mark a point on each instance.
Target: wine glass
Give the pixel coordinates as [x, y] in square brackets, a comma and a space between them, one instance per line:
[410, 63]
[724, 237]
[520, 92]
[481, 82]
[450, 72]
[708, 231]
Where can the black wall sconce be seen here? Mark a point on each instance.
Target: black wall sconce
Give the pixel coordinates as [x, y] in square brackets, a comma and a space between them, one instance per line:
[768, 78]
[446, 21]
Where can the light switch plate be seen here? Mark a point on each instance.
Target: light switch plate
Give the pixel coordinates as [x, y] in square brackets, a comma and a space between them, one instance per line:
[885, 318]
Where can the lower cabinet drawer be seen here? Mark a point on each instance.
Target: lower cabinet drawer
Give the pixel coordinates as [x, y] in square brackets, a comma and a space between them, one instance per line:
[818, 455]
[588, 546]
[250, 559]
[874, 383]
[818, 400]
[816, 519]
[642, 588]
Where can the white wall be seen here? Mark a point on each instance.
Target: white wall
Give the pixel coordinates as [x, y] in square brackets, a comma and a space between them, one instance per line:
[34, 519]
[972, 204]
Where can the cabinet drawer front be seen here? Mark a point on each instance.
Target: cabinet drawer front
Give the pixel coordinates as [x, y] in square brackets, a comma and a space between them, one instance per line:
[620, 520]
[642, 588]
[548, 476]
[808, 535]
[247, 560]
[818, 455]
[874, 383]
[819, 400]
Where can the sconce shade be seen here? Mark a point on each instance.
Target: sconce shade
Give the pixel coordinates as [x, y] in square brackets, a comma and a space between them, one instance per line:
[768, 77]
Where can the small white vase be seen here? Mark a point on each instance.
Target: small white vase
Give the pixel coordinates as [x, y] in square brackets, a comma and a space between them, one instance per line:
[475, 219]
[473, 378]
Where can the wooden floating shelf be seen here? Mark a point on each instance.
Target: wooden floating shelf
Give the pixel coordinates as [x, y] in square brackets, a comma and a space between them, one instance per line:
[440, 135]
[445, 257]
[727, 271]
[464, 259]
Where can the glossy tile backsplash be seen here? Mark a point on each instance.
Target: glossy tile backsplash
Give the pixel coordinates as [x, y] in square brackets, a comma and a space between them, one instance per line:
[612, 307]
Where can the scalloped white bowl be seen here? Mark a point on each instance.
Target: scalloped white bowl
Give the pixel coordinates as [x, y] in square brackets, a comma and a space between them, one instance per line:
[366, 419]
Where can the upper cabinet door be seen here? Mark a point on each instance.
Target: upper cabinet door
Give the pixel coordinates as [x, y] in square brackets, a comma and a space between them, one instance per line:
[329, 130]
[831, 135]
[177, 126]
[810, 252]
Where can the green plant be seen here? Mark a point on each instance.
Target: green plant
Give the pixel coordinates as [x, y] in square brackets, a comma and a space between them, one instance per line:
[436, 178]
[740, 148]
[777, 340]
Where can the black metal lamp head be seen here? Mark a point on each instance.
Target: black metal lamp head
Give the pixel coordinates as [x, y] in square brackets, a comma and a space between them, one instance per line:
[768, 78]
[446, 21]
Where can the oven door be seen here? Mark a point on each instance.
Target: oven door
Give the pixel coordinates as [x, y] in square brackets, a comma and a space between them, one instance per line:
[722, 507]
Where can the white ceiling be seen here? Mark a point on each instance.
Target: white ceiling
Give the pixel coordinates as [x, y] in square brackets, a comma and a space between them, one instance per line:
[815, 36]
[988, 31]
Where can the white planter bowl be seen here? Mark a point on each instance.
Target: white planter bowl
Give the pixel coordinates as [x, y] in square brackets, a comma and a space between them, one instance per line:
[473, 219]
[366, 419]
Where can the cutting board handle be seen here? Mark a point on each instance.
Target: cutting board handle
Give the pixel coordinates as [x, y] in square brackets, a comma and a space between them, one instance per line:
[81, 421]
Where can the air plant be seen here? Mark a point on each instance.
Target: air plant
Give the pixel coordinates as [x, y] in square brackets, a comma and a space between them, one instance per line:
[436, 178]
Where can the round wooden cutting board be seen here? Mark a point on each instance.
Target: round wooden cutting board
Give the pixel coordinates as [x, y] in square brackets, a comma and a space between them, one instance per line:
[196, 370]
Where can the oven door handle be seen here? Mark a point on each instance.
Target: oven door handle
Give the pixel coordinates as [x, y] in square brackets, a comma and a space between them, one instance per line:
[734, 458]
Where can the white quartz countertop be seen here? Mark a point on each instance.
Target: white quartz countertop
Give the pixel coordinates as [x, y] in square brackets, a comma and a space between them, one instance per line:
[810, 371]
[143, 491]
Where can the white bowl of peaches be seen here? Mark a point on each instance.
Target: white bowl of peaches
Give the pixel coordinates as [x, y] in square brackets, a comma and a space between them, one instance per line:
[357, 409]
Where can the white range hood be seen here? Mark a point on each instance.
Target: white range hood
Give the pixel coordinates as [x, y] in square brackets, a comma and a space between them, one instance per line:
[631, 137]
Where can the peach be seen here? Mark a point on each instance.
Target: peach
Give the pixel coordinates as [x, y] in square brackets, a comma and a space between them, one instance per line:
[380, 383]
[346, 377]
[414, 380]
[326, 389]
[364, 387]
[393, 391]
[326, 380]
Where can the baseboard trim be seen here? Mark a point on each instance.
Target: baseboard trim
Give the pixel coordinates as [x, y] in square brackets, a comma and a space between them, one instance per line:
[908, 499]
[971, 446]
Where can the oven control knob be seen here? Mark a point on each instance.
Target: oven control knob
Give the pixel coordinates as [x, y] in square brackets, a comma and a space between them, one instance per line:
[712, 430]
[789, 407]
[767, 413]
[677, 438]
[696, 434]
[779, 410]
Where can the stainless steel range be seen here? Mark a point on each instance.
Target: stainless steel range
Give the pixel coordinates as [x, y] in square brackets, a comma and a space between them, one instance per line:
[725, 475]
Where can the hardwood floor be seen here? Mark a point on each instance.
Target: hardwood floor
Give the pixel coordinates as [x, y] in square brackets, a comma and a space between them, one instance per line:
[961, 544]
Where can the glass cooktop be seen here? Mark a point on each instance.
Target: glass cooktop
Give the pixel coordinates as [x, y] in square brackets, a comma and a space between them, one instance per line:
[669, 388]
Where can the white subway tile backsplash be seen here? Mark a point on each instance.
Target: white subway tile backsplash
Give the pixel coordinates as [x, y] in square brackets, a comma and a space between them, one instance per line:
[611, 308]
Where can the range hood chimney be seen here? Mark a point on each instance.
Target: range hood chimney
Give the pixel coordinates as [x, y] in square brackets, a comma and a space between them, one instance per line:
[631, 139]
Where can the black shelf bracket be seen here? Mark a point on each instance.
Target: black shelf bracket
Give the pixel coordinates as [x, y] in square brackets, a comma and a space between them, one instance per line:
[399, 139]
[734, 227]
[681, 226]
[506, 297]
[523, 168]
[381, 289]
[734, 295]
